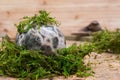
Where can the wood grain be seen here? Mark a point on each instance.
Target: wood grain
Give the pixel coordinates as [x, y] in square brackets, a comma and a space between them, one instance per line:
[72, 14]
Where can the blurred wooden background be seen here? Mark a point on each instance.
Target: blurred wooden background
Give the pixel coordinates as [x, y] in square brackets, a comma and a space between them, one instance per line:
[72, 14]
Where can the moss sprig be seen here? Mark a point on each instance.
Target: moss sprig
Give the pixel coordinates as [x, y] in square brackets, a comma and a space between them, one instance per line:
[43, 18]
[107, 41]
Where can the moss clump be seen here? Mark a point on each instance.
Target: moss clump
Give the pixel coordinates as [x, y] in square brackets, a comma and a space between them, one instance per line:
[107, 41]
[43, 18]
[16, 61]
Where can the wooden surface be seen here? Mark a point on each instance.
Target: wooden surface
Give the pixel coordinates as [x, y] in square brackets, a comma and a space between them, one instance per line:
[72, 14]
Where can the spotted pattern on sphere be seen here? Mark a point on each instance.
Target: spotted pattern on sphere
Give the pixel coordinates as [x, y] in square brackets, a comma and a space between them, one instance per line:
[47, 38]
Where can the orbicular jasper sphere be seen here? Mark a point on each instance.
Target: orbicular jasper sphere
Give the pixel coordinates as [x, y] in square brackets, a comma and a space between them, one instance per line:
[46, 38]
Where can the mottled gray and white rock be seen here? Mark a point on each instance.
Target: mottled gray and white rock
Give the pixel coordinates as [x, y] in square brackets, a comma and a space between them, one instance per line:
[46, 38]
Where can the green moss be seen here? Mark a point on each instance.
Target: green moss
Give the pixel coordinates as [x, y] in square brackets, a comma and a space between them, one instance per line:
[16, 61]
[107, 41]
[43, 18]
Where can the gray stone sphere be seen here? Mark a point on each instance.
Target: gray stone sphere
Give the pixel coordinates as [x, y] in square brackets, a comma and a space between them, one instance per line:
[46, 38]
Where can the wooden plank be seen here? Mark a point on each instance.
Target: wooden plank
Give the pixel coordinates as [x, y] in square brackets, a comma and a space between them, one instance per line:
[18, 2]
[73, 14]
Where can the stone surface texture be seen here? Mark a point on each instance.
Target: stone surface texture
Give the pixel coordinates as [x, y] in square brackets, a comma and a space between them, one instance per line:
[94, 26]
[46, 38]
